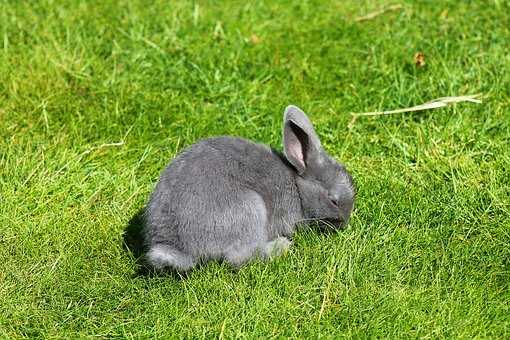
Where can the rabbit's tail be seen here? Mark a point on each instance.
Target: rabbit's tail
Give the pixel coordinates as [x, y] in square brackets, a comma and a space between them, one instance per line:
[162, 256]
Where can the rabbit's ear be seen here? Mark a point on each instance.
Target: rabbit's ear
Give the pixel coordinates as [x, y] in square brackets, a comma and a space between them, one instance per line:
[300, 141]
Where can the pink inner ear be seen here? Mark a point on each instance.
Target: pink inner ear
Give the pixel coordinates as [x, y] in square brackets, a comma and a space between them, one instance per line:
[296, 151]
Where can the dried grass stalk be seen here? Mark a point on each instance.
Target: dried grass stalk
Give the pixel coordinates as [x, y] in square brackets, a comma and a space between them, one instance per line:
[433, 104]
[375, 14]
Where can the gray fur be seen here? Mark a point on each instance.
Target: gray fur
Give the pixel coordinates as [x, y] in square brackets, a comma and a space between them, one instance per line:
[229, 199]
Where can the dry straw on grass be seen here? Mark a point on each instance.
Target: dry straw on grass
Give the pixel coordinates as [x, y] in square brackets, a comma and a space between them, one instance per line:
[433, 104]
[375, 14]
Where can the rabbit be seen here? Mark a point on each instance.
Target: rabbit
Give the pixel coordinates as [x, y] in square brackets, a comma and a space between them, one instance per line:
[229, 199]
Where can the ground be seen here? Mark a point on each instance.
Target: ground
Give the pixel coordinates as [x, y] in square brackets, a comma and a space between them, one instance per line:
[96, 97]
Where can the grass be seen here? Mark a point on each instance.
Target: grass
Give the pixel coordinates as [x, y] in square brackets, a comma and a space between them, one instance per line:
[96, 97]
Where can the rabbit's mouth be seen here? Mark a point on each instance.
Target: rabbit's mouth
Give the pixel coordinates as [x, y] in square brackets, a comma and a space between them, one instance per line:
[332, 223]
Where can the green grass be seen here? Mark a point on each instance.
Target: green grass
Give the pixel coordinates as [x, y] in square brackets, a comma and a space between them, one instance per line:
[427, 253]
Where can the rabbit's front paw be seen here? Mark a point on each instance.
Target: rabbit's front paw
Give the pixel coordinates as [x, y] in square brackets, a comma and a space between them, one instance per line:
[277, 247]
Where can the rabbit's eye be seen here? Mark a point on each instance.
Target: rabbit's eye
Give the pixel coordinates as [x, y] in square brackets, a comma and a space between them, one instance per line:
[334, 201]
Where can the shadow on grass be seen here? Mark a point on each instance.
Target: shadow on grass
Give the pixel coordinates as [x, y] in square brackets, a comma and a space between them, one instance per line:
[133, 242]
[133, 237]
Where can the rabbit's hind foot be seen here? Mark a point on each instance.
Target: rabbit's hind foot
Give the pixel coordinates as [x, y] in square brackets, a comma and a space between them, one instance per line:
[239, 255]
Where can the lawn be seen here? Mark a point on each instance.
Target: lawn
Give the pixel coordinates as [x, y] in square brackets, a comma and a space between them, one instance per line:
[96, 97]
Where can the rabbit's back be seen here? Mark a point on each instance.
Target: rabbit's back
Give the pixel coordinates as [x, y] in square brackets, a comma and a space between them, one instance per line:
[217, 192]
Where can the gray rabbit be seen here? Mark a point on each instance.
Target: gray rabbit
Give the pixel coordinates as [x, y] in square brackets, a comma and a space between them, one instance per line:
[227, 198]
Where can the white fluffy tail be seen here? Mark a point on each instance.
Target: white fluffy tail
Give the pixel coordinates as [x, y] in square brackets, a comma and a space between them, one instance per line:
[162, 256]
